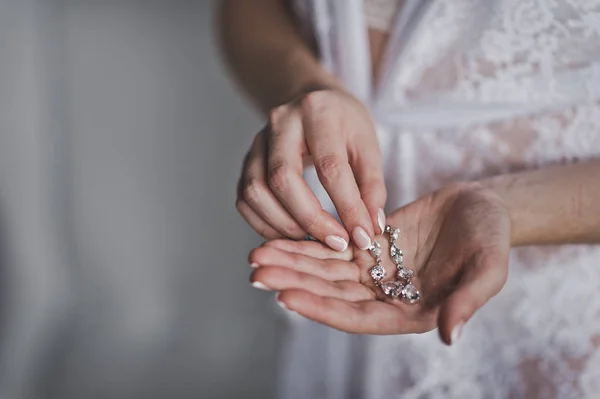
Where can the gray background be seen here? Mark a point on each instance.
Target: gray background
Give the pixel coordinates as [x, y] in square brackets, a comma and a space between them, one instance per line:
[124, 271]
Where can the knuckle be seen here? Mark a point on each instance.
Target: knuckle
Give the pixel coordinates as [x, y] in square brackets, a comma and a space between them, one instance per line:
[292, 230]
[329, 168]
[279, 177]
[277, 114]
[350, 210]
[264, 232]
[374, 187]
[251, 190]
[316, 100]
[311, 223]
[330, 269]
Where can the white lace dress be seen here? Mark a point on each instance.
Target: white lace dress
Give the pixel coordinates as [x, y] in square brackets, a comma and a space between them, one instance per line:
[470, 88]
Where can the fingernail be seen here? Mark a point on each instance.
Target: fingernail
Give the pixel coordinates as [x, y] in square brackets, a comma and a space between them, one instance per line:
[456, 332]
[279, 302]
[254, 265]
[381, 220]
[260, 286]
[336, 243]
[361, 238]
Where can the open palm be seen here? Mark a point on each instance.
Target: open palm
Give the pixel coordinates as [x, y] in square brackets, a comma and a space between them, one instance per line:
[456, 239]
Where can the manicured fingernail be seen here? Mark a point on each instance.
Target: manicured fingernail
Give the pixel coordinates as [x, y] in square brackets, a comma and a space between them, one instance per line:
[361, 238]
[456, 332]
[254, 265]
[279, 302]
[381, 220]
[260, 286]
[336, 243]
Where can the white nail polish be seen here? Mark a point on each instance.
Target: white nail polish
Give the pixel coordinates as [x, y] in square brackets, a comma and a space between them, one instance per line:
[280, 303]
[254, 265]
[361, 238]
[381, 220]
[260, 286]
[456, 332]
[336, 243]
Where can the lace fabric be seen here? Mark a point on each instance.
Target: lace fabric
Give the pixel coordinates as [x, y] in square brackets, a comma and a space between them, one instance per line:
[540, 337]
[505, 51]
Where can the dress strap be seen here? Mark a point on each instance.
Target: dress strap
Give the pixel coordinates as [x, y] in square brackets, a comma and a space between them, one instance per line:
[351, 47]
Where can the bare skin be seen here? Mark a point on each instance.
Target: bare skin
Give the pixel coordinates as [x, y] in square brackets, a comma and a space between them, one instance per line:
[311, 119]
[457, 239]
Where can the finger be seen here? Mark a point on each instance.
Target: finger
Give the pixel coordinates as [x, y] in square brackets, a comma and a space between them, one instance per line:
[259, 225]
[286, 146]
[366, 317]
[368, 171]
[279, 278]
[323, 133]
[482, 279]
[257, 194]
[310, 248]
[332, 269]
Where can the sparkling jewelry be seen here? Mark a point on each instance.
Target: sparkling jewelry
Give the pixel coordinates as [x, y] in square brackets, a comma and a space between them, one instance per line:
[401, 287]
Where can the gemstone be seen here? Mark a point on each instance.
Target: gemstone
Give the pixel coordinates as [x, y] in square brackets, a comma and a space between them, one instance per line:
[378, 272]
[396, 254]
[395, 234]
[410, 294]
[375, 249]
[392, 288]
[405, 274]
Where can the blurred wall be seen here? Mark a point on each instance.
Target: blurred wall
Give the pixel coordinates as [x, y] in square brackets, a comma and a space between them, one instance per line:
[125, 262]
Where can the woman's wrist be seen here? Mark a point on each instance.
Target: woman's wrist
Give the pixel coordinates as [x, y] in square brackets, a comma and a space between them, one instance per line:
[307, 75]
[555, 205]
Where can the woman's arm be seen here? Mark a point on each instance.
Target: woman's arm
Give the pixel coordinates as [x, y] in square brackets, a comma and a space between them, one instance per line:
[310, 116]
[267, 55]
[554, 205]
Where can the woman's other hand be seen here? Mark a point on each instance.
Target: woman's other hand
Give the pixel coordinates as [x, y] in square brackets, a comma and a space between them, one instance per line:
[333, 130]
[457, 240]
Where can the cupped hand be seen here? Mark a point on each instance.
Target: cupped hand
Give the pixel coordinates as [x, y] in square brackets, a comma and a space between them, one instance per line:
[457, 240]
[333, 130]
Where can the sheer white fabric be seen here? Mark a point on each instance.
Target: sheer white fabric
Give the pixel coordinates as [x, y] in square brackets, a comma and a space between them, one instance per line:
[472, 88]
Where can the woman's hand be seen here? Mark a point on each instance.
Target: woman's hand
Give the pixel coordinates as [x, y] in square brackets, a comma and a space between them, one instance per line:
[335, 131]
[456, 239]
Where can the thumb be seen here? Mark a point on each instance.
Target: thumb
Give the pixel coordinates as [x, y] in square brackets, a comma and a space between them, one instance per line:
[483, 278]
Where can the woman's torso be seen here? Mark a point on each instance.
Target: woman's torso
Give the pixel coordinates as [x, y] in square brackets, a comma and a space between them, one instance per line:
[474, 89]
[479, 88]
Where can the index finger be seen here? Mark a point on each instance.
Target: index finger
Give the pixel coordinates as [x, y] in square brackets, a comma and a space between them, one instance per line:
[330, 153]
[285, 167]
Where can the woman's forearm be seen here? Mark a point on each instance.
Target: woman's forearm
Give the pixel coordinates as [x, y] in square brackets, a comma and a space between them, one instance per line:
[554, 205]
[267, 55]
